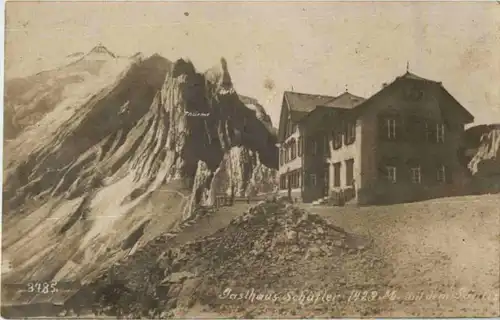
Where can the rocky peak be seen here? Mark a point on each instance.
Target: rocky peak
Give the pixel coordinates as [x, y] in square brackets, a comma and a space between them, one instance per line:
[220, 77]
[100, 52]
[144, 146]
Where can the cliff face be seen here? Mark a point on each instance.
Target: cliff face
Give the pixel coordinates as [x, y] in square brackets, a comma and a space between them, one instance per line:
[122, 160]
[486, 160]
[482, 148]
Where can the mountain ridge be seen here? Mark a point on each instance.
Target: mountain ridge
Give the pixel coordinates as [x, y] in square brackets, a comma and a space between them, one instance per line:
[121, 156]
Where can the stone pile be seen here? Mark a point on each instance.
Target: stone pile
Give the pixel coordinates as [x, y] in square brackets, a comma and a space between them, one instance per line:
[270, 232]
[267, 246]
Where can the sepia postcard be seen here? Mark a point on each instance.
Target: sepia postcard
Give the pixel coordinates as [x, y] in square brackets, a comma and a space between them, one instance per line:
[251, 159]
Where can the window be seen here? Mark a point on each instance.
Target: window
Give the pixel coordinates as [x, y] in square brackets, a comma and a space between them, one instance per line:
[326, 174]
[295, 179]
[300, 147]
[282, 182]
[391, 173]
[336, 174]
[349, 172]
[313, 179]
[441, 174]
[415, 174]
[314, 147]
[391, 128]
[300, 177]
[326, 146]
[439, 133]
[282, 160]
[337, 140]
[350, 133]
[293, 150]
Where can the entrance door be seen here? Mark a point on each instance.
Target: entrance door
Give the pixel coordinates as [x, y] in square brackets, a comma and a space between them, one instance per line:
[326, 180]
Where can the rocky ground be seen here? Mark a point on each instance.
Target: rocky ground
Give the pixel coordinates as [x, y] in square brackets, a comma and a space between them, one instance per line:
[428, 259]
[420, 259]
[276, 259]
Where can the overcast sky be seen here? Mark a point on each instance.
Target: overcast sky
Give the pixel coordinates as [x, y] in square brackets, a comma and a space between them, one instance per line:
[270, 47]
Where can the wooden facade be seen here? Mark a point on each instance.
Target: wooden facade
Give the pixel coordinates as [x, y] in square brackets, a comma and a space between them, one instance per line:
[399, 145]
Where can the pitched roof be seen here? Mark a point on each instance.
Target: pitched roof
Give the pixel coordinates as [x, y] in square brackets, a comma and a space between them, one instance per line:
[412, 76]
[301, 104]
[344, 101]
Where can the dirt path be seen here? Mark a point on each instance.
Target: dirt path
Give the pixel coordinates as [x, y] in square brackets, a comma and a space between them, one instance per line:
[444, 252]
[211, 223]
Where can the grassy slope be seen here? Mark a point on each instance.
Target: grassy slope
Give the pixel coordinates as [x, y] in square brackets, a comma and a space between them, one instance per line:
[436, 246]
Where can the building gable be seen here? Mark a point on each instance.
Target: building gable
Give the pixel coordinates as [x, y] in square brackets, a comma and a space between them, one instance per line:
[411, 88]
[301, 104]
[284, 116]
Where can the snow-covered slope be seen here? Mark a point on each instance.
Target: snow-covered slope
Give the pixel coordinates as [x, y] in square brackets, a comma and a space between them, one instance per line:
[28, 100]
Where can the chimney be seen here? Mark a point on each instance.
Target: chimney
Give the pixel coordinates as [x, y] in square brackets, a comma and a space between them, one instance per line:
[385, 84]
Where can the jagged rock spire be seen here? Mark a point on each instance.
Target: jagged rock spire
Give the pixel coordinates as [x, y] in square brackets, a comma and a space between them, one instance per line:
[219, 74]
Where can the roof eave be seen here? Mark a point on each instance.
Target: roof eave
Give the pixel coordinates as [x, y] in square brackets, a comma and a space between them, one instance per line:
[468, 116]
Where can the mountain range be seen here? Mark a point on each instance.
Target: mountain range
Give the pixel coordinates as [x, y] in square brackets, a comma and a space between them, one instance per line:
[106, 145]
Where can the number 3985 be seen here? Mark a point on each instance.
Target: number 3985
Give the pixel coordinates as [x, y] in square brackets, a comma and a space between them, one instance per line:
[42, 287]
